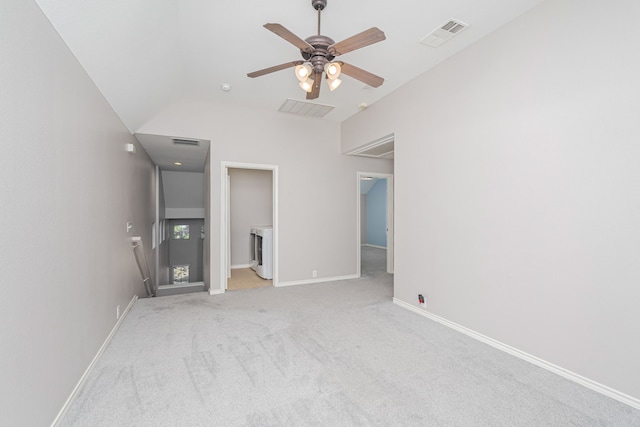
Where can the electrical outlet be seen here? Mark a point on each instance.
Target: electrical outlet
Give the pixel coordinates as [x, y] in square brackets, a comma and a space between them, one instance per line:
[314, 273]
[117, 312]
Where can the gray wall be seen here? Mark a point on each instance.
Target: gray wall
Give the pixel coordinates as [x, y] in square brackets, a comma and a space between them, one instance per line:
[317, 189]
[163, 244]
[68, 189]
[517, 197]
[251, 203]
[184, 194]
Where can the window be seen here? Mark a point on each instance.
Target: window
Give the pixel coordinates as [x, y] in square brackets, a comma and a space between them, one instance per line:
[181, 232]
[180, 274]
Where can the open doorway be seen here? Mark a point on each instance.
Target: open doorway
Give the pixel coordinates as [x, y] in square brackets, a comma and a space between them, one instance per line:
[180, 194]
[375, 240]
[248, 226]
[181, 232]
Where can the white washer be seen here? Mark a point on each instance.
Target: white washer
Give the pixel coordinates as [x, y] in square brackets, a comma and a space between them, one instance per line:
[262, 250]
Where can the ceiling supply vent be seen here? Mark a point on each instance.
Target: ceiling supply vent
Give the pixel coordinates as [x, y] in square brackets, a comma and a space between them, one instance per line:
[444, 32]
[302, 108]
[181, 141]
[381, 148]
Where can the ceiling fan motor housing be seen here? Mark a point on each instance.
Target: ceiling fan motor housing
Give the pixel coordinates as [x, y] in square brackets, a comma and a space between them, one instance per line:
[320, 55]
[319, 4]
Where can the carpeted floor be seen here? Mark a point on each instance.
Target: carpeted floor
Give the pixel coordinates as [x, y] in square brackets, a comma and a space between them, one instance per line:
[327, 354]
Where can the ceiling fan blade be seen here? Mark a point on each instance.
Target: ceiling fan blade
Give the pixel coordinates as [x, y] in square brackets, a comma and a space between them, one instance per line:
[274, 68]
[365, 38]
[362, 75]
[289, 36]
[315, 92]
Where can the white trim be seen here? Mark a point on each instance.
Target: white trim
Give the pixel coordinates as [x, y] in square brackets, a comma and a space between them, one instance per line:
[72, 396]
[318, 280]
[181, 285]
[156, 216]
[216, 291]
[237, 266]
[227, 227]
[586, 382]
[224, 167]
[373, 144]
[373, 246]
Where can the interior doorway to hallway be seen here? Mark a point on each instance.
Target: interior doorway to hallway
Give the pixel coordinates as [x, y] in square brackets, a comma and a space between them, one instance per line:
[181, 231]
[249, 211]
[375, 240]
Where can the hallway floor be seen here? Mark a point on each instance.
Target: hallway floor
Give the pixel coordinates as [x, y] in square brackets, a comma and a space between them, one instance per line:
[246, 278]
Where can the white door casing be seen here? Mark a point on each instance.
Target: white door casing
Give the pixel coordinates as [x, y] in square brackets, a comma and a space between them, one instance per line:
[225, 247]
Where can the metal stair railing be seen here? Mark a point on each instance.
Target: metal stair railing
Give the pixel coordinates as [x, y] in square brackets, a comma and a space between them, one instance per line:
[143, 266]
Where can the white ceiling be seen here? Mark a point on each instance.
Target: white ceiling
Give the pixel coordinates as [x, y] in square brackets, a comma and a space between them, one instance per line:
[145, 55]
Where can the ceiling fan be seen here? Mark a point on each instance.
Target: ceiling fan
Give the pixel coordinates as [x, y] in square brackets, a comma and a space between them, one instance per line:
[318, 53]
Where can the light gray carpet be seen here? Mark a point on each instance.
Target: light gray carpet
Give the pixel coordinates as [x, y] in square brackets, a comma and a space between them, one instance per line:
[328, 354]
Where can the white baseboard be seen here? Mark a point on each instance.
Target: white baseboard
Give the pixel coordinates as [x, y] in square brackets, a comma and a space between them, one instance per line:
[181, 285]
[317, 280]
[216, 291]
[586, 382]
[84, 376]
[374, 246]
[235, 267]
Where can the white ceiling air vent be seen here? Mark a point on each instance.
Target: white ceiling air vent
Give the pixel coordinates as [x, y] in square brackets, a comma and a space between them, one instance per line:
[381, 148]
[302, 108]
[443, 33]
[181, 141]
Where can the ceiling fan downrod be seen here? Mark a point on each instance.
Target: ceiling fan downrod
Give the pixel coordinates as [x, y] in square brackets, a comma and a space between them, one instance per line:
[319, 5]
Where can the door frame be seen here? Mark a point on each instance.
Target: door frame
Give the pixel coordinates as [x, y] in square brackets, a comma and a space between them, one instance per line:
[390, 221]
[225, 227]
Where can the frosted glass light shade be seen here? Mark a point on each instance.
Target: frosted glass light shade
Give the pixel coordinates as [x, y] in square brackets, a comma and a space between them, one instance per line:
[303, 71]
[307, 85]
[333, 84]
[333, 70]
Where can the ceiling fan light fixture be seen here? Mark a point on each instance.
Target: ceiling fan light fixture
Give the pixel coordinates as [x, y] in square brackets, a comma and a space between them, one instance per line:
[303, 71]
[317, 53]
[334, 83]
[333, 70]
[307, 85]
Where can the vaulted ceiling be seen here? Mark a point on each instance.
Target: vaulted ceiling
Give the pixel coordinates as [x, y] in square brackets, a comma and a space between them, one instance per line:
[145, 55]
